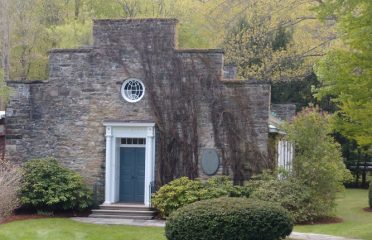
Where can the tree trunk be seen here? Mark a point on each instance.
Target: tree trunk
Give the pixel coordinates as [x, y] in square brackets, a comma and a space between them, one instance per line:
[77, 9]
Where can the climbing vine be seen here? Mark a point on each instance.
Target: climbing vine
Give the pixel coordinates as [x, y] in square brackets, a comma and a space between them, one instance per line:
[181, 86]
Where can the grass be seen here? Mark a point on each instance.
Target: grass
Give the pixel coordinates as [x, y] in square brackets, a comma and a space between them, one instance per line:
[357, 223]
[66, 229]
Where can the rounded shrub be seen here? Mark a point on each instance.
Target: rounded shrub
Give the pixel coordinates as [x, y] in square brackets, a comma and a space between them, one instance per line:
[48, 186]
[292, 195]
[183, 191]
[229, 219]
[176, 194]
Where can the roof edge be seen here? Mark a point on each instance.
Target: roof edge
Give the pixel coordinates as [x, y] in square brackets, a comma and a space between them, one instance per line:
[245, 82]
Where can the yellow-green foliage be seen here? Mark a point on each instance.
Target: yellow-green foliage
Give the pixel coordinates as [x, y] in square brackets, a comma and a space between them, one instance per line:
[318, 162]
[38, 25]
[183, 191]
[4, 90]
[370, 194]
[346, 71]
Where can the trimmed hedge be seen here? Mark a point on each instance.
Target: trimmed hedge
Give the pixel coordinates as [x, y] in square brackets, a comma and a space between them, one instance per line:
[48, 186]
[370, 194]
[229, 219]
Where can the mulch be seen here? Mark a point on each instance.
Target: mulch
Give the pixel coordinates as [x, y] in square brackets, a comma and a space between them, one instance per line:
[28, 215]
[327, 220]
[14, 218]
[367, 209]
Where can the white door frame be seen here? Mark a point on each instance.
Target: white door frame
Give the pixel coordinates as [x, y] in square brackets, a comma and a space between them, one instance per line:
[114, 132]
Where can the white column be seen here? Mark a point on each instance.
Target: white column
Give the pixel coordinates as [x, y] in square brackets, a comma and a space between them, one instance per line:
[116, 168]
[149, 165]
[108, 183]
[113, 171]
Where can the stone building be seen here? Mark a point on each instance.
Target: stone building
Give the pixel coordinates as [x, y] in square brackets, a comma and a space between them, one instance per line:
[133, 111]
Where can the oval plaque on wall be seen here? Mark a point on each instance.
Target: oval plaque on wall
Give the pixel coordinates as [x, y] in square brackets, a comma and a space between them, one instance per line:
[210, 161]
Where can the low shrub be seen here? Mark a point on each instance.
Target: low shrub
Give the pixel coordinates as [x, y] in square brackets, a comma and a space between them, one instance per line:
[10, 177]
[229, 219]
[176, 194]
[370, 194]
[291, 195]
[48, 186]
[223, 186]
[183, 191]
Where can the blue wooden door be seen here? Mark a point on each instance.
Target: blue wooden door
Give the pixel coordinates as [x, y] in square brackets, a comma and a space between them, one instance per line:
[132, 174]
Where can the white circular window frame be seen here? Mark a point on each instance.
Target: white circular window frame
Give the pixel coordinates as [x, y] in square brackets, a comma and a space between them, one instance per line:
[125, 96]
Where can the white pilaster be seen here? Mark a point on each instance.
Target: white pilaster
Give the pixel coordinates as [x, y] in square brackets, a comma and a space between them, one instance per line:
[117, 169]
[108, 182]
[148, 165]
[113, 171]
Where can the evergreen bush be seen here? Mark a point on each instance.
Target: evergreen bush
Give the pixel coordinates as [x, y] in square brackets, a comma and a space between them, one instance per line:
[292, 195]
[229, 219]
[183, 191]
[48, 186]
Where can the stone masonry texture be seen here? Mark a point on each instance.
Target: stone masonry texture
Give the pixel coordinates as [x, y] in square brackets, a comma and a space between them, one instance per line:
[284, 111]
[63, 116]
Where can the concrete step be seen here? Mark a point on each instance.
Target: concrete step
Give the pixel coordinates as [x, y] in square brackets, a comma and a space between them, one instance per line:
[123, 212]
[121, 216]
[126, 207]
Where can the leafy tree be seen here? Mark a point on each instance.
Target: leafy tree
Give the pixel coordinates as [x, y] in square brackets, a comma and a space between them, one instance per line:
[258, 52]
[317, 163]
[268, 42]
[38, 25]
[346, 71]
[4, 40]
[250, 46]
[27, 41]
[300, 92]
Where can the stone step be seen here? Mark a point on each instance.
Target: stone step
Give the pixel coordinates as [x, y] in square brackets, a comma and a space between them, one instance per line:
[123, 212]
[126, 207]
[121, 216]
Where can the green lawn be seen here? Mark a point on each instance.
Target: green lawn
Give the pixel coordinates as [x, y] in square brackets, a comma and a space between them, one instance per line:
[357, 223]
[66, 229]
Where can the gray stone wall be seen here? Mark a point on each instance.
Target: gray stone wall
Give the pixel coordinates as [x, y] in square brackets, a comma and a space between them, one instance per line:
[63, 116]
[284, 111]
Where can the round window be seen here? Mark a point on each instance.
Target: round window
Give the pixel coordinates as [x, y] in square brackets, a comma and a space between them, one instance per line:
[132, 90]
